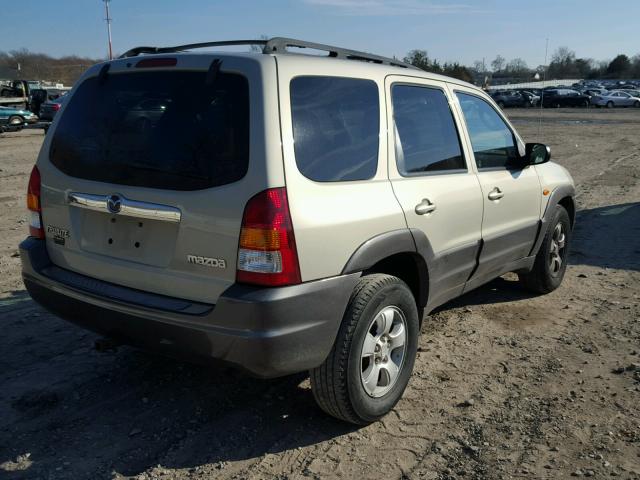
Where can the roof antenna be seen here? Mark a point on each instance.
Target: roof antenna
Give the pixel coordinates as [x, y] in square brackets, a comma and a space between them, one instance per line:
[544, 79]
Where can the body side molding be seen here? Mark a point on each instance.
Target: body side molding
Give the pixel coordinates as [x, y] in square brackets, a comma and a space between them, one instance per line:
[443, 275]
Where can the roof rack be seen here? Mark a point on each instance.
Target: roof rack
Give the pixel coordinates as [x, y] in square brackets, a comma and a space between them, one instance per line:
[278, 45]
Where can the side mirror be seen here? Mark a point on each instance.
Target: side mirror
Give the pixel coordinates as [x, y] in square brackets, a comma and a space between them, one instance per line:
[537, 153]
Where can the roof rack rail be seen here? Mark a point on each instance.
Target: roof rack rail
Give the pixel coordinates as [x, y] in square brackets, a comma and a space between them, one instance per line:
[281, 45]
[278, 45]
[181, 48]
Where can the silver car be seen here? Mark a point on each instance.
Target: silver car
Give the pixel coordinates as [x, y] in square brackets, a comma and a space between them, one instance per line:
[616, 98]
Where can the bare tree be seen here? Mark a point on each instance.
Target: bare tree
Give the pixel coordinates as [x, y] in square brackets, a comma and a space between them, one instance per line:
[498, 63]
[258, 48]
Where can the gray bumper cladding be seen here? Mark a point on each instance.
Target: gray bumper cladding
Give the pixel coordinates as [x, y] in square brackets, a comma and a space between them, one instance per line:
[269, 332]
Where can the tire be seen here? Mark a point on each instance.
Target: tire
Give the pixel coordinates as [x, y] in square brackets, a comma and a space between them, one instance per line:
[501, 105]
[547, 273]
[338, 385]
[609, 104]
[636, 104]
[16, 120]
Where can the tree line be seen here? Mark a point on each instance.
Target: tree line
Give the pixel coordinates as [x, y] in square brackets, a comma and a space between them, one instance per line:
[27, 65]
[564, 64]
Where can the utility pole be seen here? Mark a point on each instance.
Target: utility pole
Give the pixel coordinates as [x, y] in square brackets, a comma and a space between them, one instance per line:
[544, 81]
[108, 20]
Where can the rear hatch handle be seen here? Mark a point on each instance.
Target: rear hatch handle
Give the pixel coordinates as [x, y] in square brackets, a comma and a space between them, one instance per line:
[118, 205]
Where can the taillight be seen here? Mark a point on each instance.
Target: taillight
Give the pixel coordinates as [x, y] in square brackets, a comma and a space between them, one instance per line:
[267, 252]
[33, 204]
[56, 106]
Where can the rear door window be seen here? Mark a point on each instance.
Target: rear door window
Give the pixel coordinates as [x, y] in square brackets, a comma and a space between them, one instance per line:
[167, 129]
[336, 127]
[426, 135]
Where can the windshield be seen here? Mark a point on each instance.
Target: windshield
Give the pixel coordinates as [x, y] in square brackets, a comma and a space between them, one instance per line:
[167, 129]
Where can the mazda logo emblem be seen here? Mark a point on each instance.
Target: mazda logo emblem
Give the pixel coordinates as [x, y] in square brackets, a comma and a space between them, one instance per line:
[114, 204]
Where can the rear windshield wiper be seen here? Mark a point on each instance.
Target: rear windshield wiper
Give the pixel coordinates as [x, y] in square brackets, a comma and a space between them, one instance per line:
[212, 73]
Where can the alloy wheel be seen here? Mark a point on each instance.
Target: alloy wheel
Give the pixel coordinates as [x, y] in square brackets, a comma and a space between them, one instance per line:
[557, 250]
[383, 351]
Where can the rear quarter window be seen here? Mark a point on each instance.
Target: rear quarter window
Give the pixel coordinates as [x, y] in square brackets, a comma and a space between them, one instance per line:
[164, 129]
[336, 127]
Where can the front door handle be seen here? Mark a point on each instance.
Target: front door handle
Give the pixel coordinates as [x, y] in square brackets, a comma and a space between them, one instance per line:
[495, 194]
[425, 206]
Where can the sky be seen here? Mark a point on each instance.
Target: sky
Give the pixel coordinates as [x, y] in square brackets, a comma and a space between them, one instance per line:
[459, 30]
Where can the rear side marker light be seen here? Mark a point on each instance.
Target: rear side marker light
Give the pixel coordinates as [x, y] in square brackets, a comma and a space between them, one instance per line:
[267, 252]
[33, 204]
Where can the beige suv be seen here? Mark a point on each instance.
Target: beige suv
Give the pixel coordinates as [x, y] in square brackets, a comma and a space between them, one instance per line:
[285, 212]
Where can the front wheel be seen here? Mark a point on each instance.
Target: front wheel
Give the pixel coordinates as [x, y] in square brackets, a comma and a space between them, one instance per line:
[371, 361]
[636, 104]
[16, 120]
[551, 260]
[609, 104]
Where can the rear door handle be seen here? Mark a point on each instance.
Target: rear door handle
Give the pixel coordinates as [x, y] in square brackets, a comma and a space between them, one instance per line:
[425, 206]
[495, 194]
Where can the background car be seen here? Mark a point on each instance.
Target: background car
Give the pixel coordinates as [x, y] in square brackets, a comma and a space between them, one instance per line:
[532, 97]
[565, 97]
[41, 95]
[509, 98]
[616, 99]
[592, 92]
[16, 116]
[49, 109]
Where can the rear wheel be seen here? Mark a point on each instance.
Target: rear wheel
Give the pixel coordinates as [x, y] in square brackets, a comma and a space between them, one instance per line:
[551, 260]
[609, 104]
[371, 361]
[501, 104]
[636, 104]
[16, 120]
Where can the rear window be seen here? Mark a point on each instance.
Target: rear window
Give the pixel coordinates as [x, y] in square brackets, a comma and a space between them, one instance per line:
[168, 130]
[426, 135]
[336, 127]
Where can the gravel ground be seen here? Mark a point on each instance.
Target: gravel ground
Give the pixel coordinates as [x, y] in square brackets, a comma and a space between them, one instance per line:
[506, 384]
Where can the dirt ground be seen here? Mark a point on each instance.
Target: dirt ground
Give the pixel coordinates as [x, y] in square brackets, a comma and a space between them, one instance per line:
[506, 384]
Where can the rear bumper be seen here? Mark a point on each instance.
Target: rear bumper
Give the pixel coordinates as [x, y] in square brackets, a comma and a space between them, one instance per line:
[268, 332]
